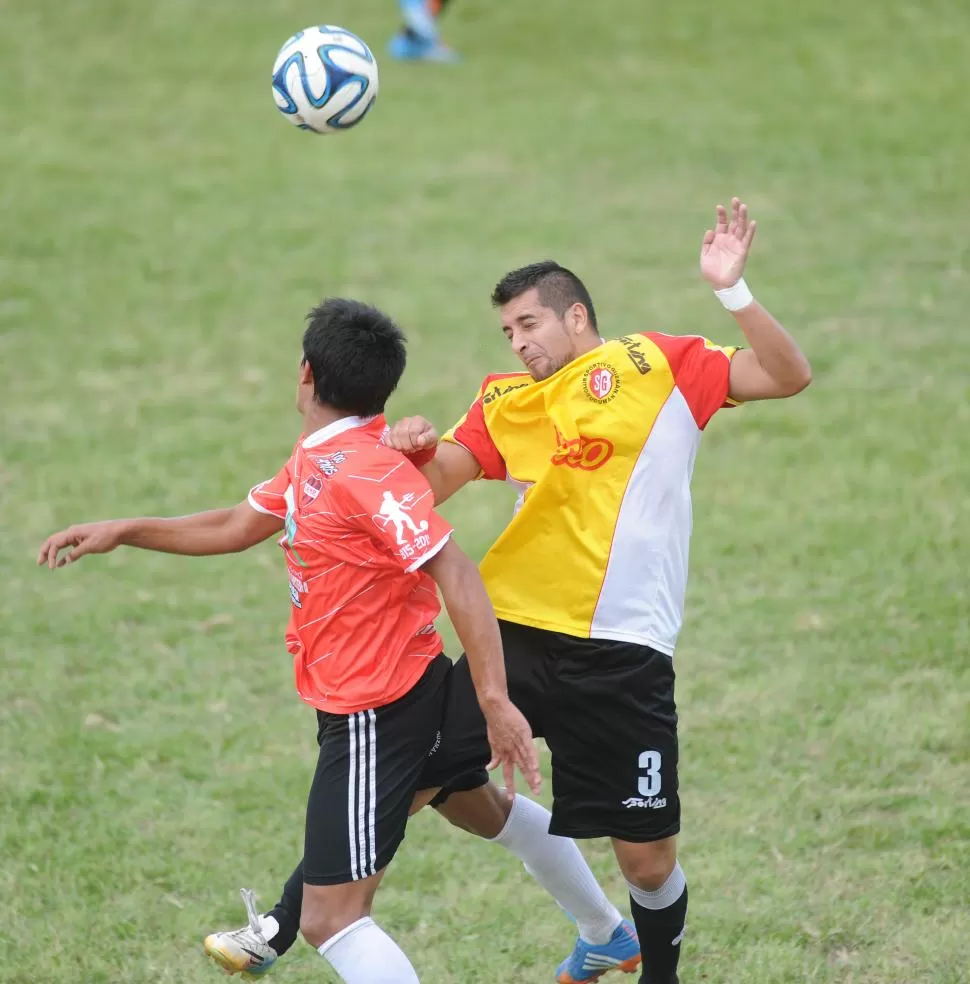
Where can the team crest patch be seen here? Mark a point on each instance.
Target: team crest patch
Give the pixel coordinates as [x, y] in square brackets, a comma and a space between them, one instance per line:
[311, 489]
[601, 382]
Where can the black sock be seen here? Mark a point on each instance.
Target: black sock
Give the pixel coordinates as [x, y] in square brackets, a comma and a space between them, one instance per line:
[660, 932]
[287, 912]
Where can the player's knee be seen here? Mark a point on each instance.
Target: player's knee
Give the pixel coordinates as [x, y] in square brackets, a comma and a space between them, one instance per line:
[319, 925]
[482, 812]
[650, 868]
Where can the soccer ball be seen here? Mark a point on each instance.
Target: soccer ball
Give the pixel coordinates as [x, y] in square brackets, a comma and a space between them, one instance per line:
[324, 79]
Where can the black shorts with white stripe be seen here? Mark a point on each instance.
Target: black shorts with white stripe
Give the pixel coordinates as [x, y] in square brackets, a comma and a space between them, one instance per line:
[373, 762]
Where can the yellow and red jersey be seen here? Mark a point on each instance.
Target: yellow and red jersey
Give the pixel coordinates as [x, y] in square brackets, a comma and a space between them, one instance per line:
[601, 453]
[359, 523]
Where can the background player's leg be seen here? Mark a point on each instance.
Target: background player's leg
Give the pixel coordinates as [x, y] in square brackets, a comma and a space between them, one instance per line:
[420, 17]
[418, 39]
[658, 898]
[521, 826]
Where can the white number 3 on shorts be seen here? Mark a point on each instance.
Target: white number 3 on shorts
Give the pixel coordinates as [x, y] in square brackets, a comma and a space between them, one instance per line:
[649, 781]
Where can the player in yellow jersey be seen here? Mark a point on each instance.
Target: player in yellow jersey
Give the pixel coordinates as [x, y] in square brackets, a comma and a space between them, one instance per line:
[588, 579]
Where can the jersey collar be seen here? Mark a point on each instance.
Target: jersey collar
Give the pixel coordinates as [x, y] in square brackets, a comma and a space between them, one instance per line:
[318, 437]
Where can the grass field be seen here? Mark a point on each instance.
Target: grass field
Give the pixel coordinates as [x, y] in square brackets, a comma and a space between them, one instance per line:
[164, 232]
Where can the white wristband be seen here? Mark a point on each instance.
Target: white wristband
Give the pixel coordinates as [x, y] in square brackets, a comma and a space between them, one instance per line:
[736, 296]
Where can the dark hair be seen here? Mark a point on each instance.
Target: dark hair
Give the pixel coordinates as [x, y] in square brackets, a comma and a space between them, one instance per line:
[356, 354]
[558, 287]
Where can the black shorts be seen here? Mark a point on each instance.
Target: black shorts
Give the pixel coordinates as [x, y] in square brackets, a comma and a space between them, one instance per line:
[373, 762]
[606, 710]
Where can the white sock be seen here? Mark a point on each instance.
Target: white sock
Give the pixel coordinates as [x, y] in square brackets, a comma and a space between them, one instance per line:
[364, 954]
[269, 926]
[558, 865]
[666, 895]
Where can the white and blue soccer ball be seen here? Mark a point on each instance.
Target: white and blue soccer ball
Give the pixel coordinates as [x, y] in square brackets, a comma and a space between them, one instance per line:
[325, 79]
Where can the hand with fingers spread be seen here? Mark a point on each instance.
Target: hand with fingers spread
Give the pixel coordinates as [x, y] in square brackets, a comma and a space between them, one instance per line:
[87, 538]
[724, 251]
[510, 739]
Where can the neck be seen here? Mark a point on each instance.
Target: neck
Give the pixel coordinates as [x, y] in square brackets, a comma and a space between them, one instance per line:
[590, 340]
[318, 416]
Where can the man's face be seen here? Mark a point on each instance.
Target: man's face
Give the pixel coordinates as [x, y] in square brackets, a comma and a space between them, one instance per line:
[542, 340]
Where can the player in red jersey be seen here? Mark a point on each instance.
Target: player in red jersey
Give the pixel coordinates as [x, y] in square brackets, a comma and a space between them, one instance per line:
[364, 551]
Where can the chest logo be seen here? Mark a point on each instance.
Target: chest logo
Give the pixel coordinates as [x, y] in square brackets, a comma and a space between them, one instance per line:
[601, 383]
[585, 453]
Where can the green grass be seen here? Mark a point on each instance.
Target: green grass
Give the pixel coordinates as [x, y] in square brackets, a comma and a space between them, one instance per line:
[164, 232]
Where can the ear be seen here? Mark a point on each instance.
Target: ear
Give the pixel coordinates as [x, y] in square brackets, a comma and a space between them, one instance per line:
[306, 374]
[577, 319]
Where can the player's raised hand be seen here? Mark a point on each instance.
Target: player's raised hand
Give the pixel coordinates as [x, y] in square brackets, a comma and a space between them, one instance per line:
[510, 738]
[88, 538]
[411, 434]
[725, 248]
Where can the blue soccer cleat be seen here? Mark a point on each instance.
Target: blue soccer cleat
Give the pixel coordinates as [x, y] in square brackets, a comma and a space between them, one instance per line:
[419, 19]
[589, 962]
[406, 47]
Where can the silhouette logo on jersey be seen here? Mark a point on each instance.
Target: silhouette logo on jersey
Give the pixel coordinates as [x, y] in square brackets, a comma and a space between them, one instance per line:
[393, 511]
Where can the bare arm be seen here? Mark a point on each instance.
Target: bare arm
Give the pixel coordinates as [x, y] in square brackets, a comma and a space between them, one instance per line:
[451, 467]
[472, 615]
[218, 531]
[774, 367]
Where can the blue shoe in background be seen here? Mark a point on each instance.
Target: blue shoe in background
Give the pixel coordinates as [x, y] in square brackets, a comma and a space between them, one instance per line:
[406, 47]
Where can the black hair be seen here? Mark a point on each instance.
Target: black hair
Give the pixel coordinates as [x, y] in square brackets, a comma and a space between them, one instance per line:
[356, 354]
[558, 287]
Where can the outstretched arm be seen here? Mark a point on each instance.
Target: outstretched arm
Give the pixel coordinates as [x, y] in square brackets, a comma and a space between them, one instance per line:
[218, 531]
[774, 367]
